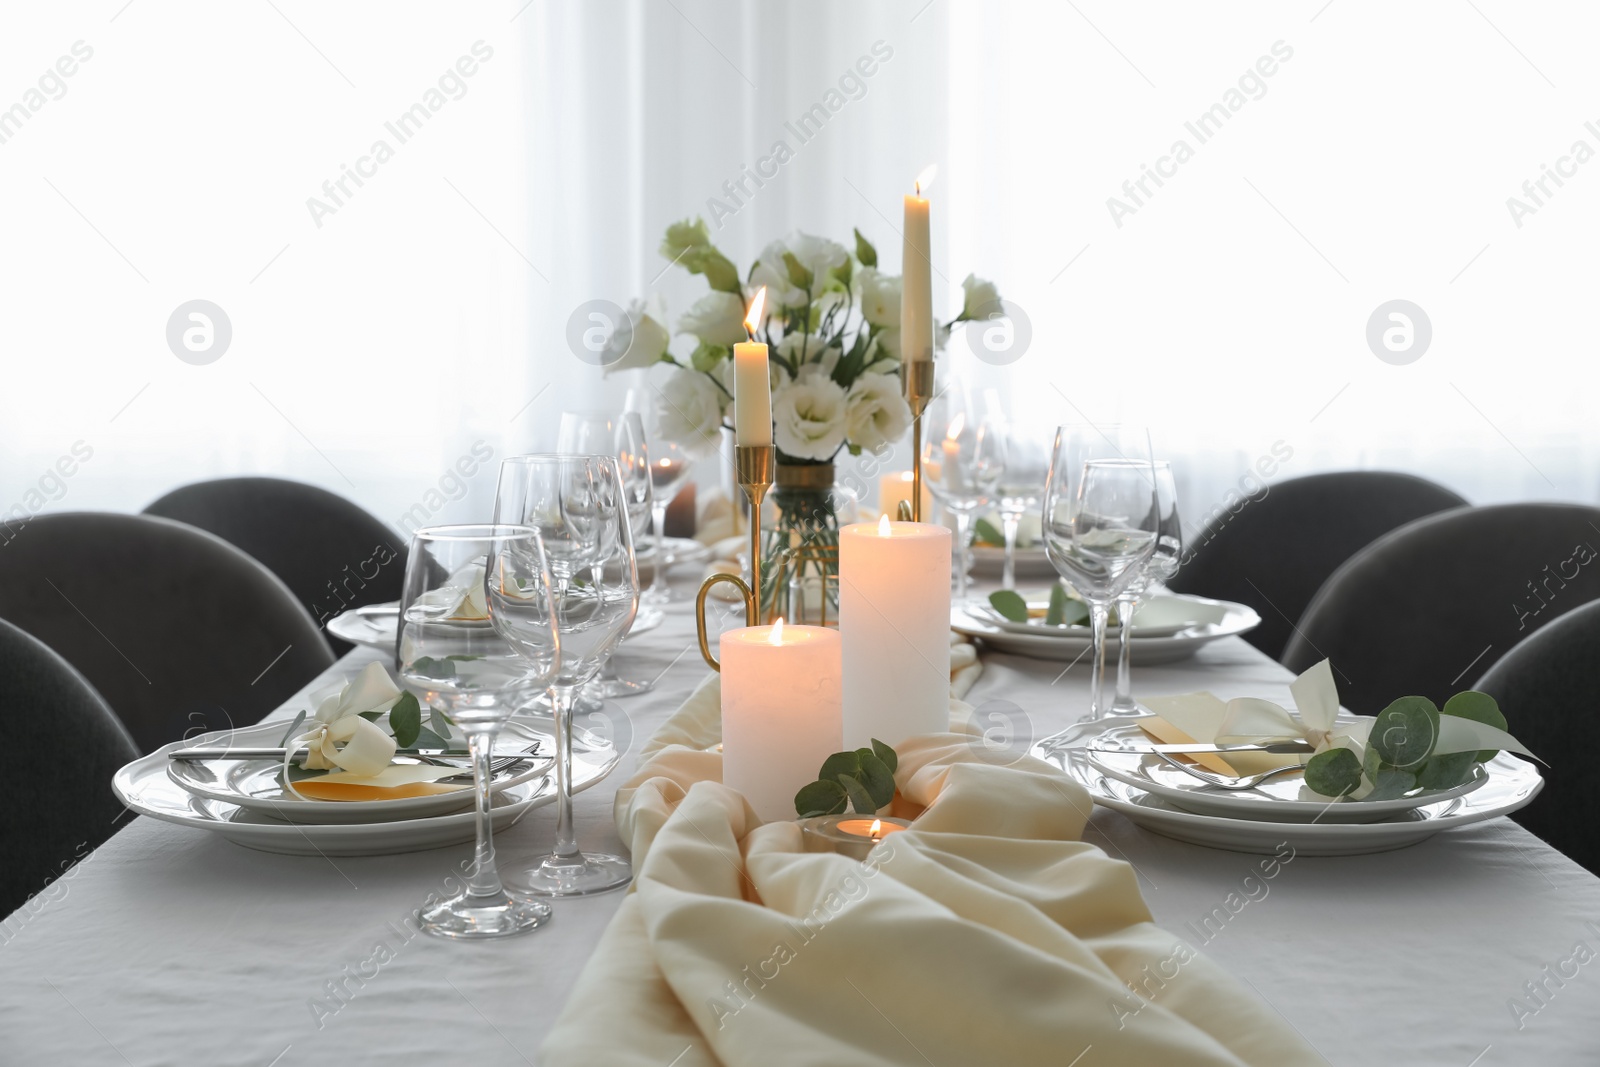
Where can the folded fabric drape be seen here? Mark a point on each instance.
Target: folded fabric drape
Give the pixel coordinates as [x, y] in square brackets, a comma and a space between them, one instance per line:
[988, 933]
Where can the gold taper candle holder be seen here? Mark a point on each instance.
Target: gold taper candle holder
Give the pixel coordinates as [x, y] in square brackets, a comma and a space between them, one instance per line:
[918, 376]
[753, 466]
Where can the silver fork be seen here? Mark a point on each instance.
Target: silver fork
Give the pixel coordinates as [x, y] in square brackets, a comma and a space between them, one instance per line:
[1232, 785]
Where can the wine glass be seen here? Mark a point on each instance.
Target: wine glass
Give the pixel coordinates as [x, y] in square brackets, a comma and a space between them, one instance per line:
[963, 453]
[1099, 522]
[633, 462]
[1021, 485]
[1161, 565]
[576, 503]
[669, 469]
[586, 433]
[454, 654]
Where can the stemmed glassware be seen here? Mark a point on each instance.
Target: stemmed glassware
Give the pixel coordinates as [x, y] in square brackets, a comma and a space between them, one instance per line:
[963, 453]
[463, 585]
[1158, 569]
[1021, 485]
[1099, 522]
[669, 469]
[577, 505]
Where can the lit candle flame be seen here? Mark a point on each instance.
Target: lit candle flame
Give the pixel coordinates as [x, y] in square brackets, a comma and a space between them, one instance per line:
[776, 636]
[753, 320]
[957, 424]
[877, 827]
[883, 525]
[925, 179]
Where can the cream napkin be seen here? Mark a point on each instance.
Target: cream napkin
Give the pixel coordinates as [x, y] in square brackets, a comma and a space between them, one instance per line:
[989, 933]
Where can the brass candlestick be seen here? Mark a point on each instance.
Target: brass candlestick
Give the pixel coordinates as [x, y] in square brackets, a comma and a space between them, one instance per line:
[919, 391]
[753, 466]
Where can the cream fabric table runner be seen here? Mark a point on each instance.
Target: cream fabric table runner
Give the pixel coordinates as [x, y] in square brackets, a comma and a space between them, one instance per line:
[990, 933]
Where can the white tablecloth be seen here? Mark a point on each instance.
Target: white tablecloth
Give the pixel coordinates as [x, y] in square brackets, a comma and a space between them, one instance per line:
[169, 946]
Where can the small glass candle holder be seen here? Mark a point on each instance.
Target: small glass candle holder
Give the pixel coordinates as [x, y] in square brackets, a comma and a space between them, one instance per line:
[848, 835]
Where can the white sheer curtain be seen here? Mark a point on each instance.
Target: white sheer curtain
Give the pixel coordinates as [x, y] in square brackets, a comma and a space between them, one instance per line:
[428, 315]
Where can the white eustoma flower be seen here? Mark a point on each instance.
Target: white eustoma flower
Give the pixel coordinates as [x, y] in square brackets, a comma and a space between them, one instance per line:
[880, 297]
[716, 318]
[366, 748]
[689, 412]
[809, 418]
[647, 342]
[875, 412]
[981, 298]
[807, 349]
[818, 255]
[885, 346]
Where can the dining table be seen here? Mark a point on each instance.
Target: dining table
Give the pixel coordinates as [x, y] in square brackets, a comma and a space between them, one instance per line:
[1474, 948]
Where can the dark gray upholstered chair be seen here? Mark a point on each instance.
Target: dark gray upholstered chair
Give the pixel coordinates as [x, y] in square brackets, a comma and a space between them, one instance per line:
[1275, 552]
[1429, 607]
[1549, 688]
[332, 555]
[56, 818]
[178, 630]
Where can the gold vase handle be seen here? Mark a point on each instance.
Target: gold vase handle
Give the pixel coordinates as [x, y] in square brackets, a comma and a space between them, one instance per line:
[746, 593]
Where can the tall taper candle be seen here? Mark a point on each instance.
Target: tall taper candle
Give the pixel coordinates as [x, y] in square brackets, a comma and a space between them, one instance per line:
[894, 617]
[916, 271]
[752, 386]
[781, 694]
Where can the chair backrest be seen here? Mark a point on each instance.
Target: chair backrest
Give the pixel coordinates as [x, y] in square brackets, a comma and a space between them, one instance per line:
[1274, 551]
[1429, 607]
[177, 629]
[59, 810]
[330, 553]
[1549, 688]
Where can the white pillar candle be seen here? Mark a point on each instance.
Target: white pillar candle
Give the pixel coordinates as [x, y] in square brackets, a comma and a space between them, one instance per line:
[781, 711]
[916, 272]
[752, 385]
[894, 616]
[895, 487]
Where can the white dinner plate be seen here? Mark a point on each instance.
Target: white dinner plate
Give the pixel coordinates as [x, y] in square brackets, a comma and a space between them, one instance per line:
[1281, 799]
[374, 625]
[144, 786]
[988, 561]
[257, 785]
[1512, 784]
[1147, 651]
[1161, 615]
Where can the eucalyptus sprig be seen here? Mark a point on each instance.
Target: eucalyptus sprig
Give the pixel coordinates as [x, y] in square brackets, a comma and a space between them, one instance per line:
[1399, 755]
[863, 779]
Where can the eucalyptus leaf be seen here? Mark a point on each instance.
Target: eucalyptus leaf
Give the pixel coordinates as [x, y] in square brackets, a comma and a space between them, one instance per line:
[1479, 707]
[1391, 784]
[440, 722]
[1056, 613]
[428, 667]
[1009, 604]
[370, 716]
[1446, 771]
[427, 740]
[297, 773]
[405, 719]
[294, 728]
[1333, 773]
[821, 798]
[860, 799]
[876, 778]
[1405, 732]
[864, 250]
[840, 763]
[886, 755]
[984, 533]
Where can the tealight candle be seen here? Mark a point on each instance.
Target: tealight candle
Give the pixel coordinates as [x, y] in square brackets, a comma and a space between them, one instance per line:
[848, 835]
[894, 615]
[916, 272]
[752, 384]
[895, 487]
[781, 711]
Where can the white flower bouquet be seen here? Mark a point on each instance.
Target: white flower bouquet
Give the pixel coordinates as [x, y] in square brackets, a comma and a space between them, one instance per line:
[832, 327]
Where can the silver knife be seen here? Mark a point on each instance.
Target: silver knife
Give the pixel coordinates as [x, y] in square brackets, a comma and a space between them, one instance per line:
[278, 753]
[1280, 747]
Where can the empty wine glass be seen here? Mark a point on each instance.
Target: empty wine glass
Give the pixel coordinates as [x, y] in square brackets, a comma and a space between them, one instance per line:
[586, 433]
[633, 461]
[455, 655]
[1160, 566]
[1099, 522]
[963, 453]
[576, 503]
[669, 469]
[1021, 485]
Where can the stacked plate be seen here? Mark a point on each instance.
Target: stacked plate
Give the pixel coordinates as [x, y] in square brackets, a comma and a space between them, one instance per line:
[1165, 799]
[1166, 628]
[376, 625]
[244, 800]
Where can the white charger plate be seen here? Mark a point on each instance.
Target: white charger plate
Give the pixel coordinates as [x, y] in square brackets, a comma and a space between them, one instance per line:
[1512, 784]
[1147, 651]
[375, 625]
[1161, 615]
[144, 786]
[257, 785]
[1282, 799]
